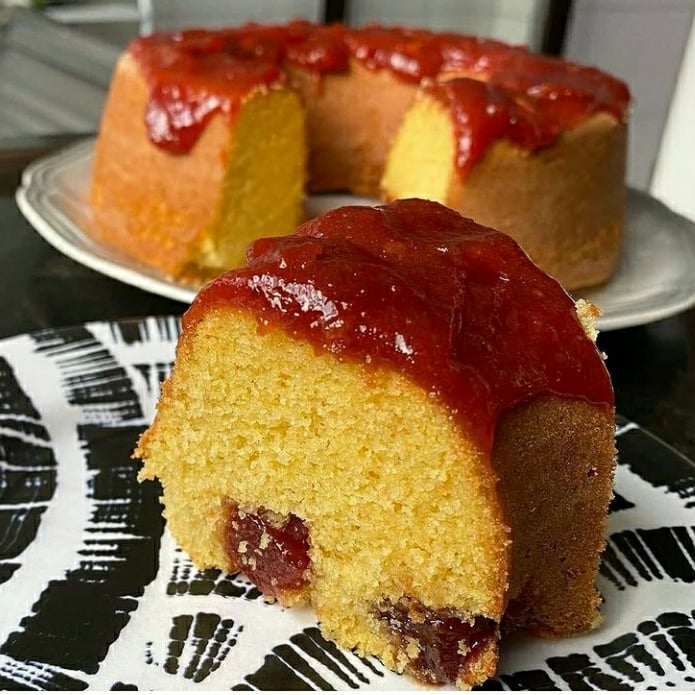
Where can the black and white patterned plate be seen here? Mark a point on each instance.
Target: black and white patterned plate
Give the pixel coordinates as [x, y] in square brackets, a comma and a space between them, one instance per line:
[94, 594]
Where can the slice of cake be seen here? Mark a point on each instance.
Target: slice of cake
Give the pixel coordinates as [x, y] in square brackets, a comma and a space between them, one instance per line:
[205, 134]
[199, 153]
[395, 416]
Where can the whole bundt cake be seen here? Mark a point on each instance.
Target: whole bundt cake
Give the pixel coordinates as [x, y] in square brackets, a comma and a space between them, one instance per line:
[208, 138]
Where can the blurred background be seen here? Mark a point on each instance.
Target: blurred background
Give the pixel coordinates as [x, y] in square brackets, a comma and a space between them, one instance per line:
[56, 59]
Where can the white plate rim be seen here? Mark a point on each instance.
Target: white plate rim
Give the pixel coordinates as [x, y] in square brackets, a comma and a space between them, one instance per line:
[64, 233]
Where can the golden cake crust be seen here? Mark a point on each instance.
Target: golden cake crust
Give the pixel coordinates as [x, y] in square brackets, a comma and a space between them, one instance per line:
[178, 212]
[142, 197]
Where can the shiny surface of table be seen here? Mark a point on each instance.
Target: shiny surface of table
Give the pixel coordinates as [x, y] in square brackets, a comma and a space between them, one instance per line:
[653, 366]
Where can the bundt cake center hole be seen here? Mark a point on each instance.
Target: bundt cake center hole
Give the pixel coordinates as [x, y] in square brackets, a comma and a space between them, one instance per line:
[272, 550]
[438, 643]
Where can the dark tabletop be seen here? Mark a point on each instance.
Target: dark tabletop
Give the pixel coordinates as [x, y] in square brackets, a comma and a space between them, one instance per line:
[653, 366]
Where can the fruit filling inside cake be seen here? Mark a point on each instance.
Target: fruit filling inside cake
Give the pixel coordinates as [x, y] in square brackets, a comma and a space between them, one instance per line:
[272, 550]
[438, 643]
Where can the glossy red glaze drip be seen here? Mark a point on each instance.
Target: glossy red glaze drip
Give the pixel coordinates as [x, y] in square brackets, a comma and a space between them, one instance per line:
[191, 79]
[446, 643]
[529, 102]
[194, 74]
[483, 113]
[273, 555]
[415, 287]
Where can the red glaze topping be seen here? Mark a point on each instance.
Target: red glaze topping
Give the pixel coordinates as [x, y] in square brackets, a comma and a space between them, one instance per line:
[191, 79]
[272, 553]
[529, 102]
[483, 113]
[413, 286]
[194, 74]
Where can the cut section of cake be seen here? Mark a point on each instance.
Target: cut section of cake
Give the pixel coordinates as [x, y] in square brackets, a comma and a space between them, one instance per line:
[352, 119]
[394, 416]
[229, 164]
[492, 155]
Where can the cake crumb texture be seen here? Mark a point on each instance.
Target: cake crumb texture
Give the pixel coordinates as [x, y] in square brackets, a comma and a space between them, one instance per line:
[396, 502]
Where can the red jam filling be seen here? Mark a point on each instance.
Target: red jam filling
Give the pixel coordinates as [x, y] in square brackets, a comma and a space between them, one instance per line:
[415, 287]
[445, 642]
[272, 552]
[195, 74]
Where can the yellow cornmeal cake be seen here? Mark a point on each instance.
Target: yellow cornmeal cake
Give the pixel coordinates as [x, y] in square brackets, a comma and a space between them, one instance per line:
[208, 139]
[394, 416]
